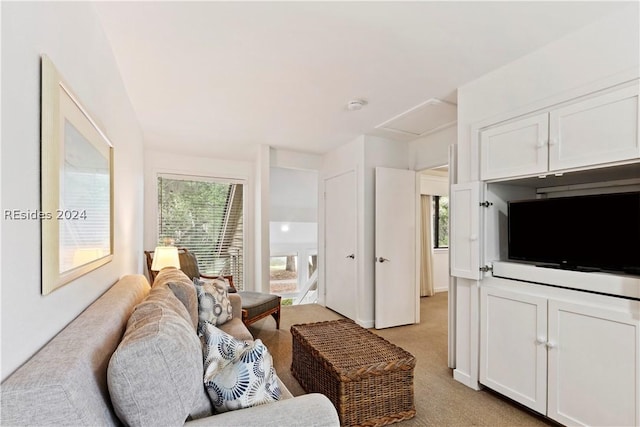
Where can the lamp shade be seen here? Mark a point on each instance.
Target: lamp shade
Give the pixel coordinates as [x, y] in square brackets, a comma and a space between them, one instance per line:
[165, 256]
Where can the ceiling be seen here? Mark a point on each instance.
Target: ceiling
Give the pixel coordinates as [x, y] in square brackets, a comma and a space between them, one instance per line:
[218, 79]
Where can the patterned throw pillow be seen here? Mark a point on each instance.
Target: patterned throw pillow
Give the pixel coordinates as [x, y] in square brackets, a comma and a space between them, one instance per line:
[214, 305]
[222, 281]
[237, 374]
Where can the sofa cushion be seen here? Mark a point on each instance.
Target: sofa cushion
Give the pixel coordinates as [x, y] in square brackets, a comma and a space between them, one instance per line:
[155, 374]
[183, 289]
[214, 305]
[236, 328]
[238, 374]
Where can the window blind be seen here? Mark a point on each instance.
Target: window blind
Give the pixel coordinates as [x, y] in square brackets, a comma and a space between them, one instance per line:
[206, 217]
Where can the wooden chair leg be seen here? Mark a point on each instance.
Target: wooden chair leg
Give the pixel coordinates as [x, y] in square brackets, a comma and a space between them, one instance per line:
[276, 316]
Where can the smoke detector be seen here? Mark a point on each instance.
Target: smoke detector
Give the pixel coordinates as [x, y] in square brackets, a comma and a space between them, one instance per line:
[356, 104]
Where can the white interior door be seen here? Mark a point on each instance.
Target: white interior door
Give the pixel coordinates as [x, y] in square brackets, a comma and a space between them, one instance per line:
[340, 244]
[395, 244]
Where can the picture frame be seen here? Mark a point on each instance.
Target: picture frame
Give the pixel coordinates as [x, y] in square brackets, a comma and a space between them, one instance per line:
[77, 185]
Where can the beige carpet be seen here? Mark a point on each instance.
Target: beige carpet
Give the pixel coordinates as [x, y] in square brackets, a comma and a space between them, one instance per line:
[439, 399]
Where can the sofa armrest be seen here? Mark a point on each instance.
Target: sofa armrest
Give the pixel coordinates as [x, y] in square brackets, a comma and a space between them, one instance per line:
[236, 305]
[307, 410]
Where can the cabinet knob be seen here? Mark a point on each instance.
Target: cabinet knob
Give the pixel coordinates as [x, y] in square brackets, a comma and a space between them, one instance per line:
[473, 237]
[553, 141]
[541, 340]
[550, 345]
[541, 143]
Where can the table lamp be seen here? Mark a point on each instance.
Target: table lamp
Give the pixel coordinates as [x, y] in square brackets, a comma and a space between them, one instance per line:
[165, 256]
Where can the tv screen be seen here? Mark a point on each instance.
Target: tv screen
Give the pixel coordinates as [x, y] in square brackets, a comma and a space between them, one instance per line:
[600, 232]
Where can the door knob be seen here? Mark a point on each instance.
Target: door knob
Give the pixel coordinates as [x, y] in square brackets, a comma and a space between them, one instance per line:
[381, 259]
[352, 256]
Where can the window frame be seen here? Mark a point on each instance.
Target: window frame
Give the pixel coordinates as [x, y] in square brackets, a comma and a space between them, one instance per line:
[247, 253]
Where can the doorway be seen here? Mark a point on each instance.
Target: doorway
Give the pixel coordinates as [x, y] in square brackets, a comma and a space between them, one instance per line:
[293, 231]
[434, 230]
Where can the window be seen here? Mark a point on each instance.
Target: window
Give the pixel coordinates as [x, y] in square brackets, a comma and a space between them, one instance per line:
[206, 217]
[440, 222]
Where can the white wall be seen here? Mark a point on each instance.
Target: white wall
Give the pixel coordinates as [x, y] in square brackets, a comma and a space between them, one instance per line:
[289, 159]
[434, 183]
[171, 163]
[294, 195]
[432, 150]
[600, 52]
[71, 35]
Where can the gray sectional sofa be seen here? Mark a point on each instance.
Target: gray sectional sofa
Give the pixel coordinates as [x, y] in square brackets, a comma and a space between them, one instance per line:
[154, 379]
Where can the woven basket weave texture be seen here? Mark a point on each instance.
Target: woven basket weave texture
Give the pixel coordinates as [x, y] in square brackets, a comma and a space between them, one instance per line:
[368, 379]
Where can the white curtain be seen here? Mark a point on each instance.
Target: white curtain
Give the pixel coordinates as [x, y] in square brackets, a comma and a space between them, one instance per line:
[426, 263]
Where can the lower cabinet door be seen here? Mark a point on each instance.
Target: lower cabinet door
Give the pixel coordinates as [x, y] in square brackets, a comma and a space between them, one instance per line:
[594, 372]
[513, 354]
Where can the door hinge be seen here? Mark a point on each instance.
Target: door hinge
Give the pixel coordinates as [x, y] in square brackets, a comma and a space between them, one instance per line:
[486, 204]
[486, 269]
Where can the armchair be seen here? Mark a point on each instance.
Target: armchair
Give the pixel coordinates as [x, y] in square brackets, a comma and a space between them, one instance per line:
[255, 305]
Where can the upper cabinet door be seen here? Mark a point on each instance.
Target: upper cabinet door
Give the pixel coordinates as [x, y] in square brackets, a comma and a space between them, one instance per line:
[516, 148]
[597, 130]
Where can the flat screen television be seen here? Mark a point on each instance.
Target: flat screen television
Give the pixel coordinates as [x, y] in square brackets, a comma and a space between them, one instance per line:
[595, 232]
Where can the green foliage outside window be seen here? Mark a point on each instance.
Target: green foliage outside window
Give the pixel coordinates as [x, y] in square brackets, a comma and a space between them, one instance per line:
[206, 218]
[441, 221]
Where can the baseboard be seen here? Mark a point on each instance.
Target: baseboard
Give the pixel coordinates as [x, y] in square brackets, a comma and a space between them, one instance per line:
[367, 324]
[461, 377]
[465, 379]
[437, 290]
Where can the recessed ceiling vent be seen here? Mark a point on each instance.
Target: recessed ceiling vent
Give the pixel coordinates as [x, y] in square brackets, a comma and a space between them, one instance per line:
[422, 119]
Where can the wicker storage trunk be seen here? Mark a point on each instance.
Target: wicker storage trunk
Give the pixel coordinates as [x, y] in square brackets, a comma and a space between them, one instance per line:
[368, 379]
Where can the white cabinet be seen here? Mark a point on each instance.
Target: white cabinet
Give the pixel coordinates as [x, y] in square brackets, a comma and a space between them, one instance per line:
[594, 372]
[512, 361]
[599, 129]
[516, 148]
[578, 363]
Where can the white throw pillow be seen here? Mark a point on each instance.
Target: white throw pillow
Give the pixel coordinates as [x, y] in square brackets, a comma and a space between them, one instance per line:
[237, 374]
